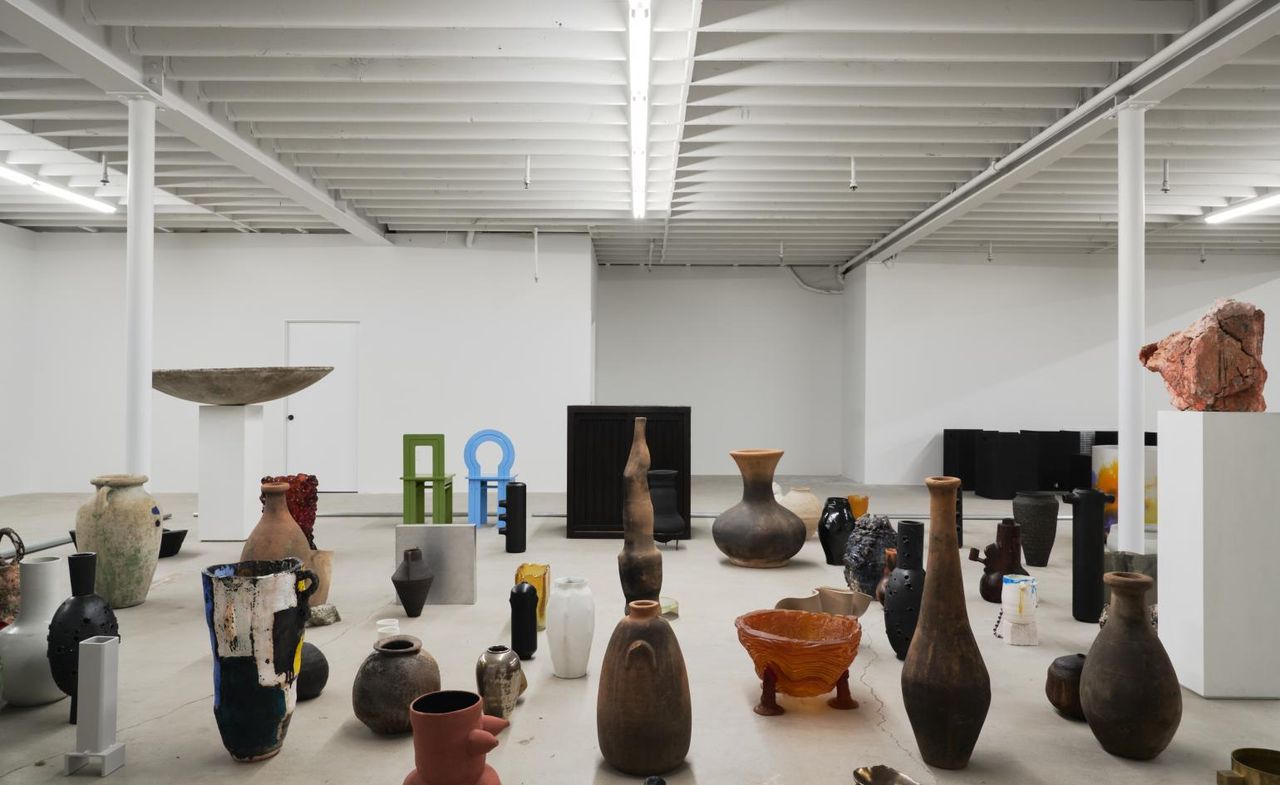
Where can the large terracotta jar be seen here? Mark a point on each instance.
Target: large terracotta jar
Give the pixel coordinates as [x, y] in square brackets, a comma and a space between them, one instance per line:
[277, 535]
[1128, 690]
[81, 616]
[1036, 513]
[1088, 541]
[1003, 557]
[640, 562]
[256, 612]
[757, 531]
[388, 680]
[28, 679]
[805, 505]
[644, 718]
[571, 625]
[451, 737]
[121, 523]
[945, 685]
[905, 588]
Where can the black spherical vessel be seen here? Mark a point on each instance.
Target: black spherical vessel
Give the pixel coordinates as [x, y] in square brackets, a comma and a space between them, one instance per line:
[524, 620]
[313, 674]
[906, 587]
[83, 615]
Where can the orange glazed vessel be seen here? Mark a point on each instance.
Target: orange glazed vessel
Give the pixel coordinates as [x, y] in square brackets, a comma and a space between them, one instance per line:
[801, 654]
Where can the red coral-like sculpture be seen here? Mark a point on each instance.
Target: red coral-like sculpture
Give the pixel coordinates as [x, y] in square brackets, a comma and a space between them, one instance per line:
[1215, 365]
[303, 495]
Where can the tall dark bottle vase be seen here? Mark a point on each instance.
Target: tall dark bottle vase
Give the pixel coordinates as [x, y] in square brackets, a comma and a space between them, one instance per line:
[1003, 557]
[1037, 514]
[834, 527]
[640, 562]
[945, 685]
[1088, 541]
[667, 523]
[524, 620]
[512, 517]
[905, 589]
[83, 615]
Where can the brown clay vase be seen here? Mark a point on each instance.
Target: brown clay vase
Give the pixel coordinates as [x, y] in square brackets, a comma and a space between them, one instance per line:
[1003, 557]
[640, 562]
[757, 531]
[277, 535]
[451, 737]
[890, 562]
[1062, 685]
[1128, 689]
[388, 681]
[945, 685]
[644, 718]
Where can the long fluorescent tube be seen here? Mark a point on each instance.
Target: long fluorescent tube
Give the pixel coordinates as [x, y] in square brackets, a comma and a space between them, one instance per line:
[14, 176]
[1256, 204]
[639, 32]
[72, 196]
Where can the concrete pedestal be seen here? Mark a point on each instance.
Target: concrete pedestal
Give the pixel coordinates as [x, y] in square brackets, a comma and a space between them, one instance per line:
[449, 549]
[1219, 537]
[230, 471]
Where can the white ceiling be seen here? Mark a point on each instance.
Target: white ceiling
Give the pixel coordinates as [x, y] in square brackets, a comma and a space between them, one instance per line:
[405, 116]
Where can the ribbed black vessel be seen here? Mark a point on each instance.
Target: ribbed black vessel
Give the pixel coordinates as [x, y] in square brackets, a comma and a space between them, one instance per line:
[524, 620]
[906, 587]
[83, 615]
[1088, 537]
[512, 512]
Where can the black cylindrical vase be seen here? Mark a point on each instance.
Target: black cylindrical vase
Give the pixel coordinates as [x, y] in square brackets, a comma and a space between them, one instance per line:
[905, 589]
[1037, 515]
[668, 524]
[512, 511]
[524, 620]
[82, 616]
[834, 527]
[1088, 538]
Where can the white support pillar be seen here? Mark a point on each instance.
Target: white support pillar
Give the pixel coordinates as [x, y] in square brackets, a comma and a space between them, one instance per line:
[139, 284]
[1131, 220]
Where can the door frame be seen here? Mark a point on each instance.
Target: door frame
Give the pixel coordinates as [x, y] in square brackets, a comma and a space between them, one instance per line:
[285, 412]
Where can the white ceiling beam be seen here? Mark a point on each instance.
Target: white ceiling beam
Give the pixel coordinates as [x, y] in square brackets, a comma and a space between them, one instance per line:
[375, 93]
[516, 133]
[52, 90]
[850, 134]
[860, 149]
[1215, 119]
[1259, 99]
[458, 147]
[934, 97]
[582, 114]
[747, 116]
[924, 47]
[395, 177]
[755, 164]
[61, 110]
[30, 66]
[409, 162]
[1242, 77]
[903, 74]
[1181, 152]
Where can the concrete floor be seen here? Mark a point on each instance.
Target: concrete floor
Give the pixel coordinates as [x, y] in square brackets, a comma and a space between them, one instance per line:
[166, 716]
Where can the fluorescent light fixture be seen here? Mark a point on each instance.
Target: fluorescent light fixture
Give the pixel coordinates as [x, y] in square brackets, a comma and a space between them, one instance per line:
[1248, 206]
[72, 196]
[639, 33]
[14, 176]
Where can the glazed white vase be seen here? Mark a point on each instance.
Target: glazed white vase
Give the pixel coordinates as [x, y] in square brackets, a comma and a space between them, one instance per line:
[571, 625]
[801, 501]
[121, 524]
[24, 645]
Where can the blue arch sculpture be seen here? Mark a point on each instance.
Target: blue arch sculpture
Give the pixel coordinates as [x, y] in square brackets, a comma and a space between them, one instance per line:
[478, 483]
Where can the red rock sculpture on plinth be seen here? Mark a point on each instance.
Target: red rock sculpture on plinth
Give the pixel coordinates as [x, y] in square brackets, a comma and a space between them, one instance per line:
[1215, 365]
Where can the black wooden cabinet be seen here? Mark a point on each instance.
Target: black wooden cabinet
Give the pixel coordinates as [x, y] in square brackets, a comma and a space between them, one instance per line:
[599, 443]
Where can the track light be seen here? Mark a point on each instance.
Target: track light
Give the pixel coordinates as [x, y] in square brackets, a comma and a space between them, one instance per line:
[72, 196]
[853, 173]
[1246, 207]
[639, 31]
[528, 171]
[1164, 180]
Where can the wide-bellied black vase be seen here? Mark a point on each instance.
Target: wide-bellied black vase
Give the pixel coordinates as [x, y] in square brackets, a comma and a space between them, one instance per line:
[82, 616]
[906, 588]
[834, 527]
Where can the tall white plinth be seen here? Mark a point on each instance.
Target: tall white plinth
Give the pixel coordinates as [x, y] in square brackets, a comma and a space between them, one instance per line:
[230, 471]
[1219, 533]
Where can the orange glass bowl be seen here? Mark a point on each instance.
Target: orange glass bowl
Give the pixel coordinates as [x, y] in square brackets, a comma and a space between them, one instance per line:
[801, 654]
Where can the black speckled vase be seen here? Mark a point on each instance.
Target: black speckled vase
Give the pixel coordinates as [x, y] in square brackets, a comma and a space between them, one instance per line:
[905, 589]
[82, 616]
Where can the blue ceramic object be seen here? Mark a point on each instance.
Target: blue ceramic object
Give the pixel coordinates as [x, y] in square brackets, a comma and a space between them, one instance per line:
[477, 482]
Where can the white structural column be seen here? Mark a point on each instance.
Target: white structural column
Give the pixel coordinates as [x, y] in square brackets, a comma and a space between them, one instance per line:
[139, 284]
[1131, 166]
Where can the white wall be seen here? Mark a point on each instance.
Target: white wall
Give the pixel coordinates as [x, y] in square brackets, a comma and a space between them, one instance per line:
[758, 359]
[854, 384]
[17, 282]
[452, 340]
[1026, 341]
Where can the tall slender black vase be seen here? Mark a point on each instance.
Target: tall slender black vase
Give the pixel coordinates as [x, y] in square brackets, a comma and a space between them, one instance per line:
[82, 616]
[906, 588]
[1088, 537]
[524, 620]
[512, 512]
[668, 525]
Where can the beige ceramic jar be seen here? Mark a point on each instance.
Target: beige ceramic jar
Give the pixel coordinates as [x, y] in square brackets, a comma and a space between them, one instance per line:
[121, 524]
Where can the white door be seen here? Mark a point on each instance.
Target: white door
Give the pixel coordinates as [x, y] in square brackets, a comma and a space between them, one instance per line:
[320, 422]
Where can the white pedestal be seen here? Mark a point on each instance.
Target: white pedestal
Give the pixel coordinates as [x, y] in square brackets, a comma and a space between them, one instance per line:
[230, 471]
[449, 549]
[1219, 534]
[96, 692]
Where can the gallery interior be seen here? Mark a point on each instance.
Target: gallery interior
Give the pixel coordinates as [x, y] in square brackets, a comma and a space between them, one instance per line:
[584, 392]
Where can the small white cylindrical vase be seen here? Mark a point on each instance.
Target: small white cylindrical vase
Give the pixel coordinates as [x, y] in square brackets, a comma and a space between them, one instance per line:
[571, 625]
[24, 645]
[1019, 599]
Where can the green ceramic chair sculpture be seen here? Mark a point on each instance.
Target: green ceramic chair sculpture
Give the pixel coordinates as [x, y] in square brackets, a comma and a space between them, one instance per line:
[415, 484]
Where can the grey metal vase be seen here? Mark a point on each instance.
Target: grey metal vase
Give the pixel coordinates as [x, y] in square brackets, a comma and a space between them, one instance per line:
[1037, 513]
[500, 680]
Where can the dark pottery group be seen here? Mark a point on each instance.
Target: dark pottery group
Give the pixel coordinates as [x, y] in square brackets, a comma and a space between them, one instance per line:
[864, 552]
[640, 562]
[905, 588]
[834, 527]
[412, 580]
[757, 531]
[1036, 513]
[524, 620]
[82, 616]
[1002, 557]
[397, 672]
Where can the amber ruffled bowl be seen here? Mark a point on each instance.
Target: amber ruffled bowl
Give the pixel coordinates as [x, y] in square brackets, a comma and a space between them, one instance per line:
[806, 652]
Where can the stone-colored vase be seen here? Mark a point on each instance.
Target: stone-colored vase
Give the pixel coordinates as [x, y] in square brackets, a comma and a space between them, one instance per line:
[757, 531]
[539, 577]
[571, 625]
[28, 679]
[451, 737]
[398, 671]
[500, 680]
[644, 717]
[277, 535]
[121, 523]
[11, 578]
[801, 501]
[640, 562]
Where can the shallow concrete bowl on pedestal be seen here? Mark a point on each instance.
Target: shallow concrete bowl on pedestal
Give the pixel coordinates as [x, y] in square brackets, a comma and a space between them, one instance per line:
[236, 386]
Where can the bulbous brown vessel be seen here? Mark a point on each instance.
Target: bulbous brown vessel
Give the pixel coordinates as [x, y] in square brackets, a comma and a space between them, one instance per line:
[945, 685]
[644, 718]
[1002, 557]
[1128, 689]
[640, 562]
[757, 531]
[277, 535]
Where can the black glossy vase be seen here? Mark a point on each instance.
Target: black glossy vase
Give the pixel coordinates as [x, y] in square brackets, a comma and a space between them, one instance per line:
[1088, 541]
[524, 620]
[512, 517]
[412, 580]
[906, 587]
[1037, 514]
[834, 528]
[667, 523]
[83, 615]
[313, 673]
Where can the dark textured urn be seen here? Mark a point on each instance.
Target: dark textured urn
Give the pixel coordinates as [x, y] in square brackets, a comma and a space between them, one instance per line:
[1003, 557]
[412, 580]
[905, 588]
[834, 527]
[524, 620]
[864, 552]
[82, 616]
[1062, 685]
[1128, 689]
[1088, 541]
[668, 525]
[1036, 513]
[313, 673]
[757, 531]
[389, 680]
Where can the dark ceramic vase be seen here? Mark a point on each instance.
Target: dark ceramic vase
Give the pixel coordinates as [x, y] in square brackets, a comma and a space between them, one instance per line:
[1088, 541]
[890, 562]
[313, 673]
[389, 680]
[864, 552]
[667, 523]
[640, 561]
[1128, 689]
[757, 531]
[412, 580]
[1062, 685]
[834, 527]
[905, 588]
[512, 517]
[1003, 557]
[524, 620]
[945, 685]
[83, 615]
[1036, 513]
